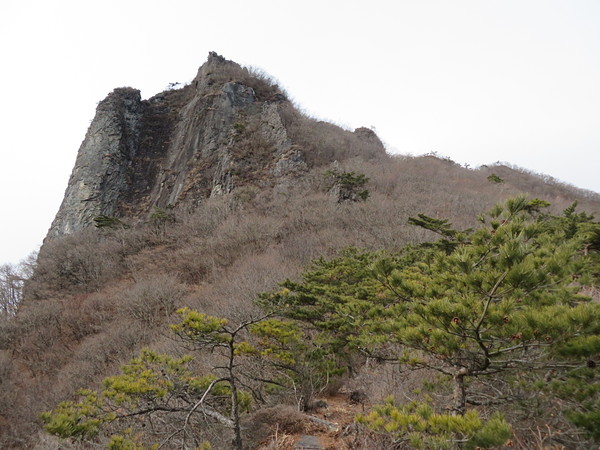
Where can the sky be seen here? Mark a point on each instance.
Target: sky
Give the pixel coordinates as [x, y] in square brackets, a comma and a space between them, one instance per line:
[476, 81]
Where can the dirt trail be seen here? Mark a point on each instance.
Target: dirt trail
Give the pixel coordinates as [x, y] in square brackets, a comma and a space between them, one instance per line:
[309, 443]
[339, 411]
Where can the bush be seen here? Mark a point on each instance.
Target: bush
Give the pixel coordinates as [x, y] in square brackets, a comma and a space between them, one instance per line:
[82, 262]
[266, 422]
[153, 299]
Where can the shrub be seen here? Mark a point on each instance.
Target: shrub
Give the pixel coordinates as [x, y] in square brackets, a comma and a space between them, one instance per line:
[81, 262]
[281, 419]
[152, 299]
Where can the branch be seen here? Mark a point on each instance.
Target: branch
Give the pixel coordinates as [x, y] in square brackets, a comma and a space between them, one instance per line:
[199, 402]
[497, 401]
[264, 380]
[386, 284]
[490, 296]
[521, 346]
[249, 322]
[210, 412]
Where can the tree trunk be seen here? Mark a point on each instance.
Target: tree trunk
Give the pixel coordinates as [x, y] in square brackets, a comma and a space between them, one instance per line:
[235, 413]
[459, 394]
[235, 407]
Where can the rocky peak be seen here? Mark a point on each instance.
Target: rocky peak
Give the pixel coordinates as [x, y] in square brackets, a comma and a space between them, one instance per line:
[368, 135]
[226, 129]
[96, 183]
[214, 70]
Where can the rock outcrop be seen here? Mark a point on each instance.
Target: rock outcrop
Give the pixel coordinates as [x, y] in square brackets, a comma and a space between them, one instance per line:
[227, 128]
[99, 178]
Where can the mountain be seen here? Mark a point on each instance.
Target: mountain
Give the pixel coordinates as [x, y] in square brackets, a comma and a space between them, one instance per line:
[223, 131]
[205, 196]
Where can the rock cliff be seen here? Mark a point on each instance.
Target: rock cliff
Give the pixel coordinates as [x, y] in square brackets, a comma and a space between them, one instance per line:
[227, 128]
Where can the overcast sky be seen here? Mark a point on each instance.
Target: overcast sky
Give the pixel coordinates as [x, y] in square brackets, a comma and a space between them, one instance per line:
[477, 81]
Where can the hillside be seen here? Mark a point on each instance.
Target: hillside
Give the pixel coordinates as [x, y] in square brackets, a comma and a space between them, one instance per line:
[224, 131]
[205, 196]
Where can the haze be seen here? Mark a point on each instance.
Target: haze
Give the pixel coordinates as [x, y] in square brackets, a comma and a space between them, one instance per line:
[476, 81]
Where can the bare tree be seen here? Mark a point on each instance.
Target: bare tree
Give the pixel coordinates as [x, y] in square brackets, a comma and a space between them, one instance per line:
[12, 278]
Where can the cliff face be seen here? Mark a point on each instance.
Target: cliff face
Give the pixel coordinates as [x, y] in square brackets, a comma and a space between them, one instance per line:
[98, 181]
[224, 130]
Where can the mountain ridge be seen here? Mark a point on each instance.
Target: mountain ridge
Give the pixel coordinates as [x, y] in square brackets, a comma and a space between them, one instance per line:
[219, 191]
[184, 145]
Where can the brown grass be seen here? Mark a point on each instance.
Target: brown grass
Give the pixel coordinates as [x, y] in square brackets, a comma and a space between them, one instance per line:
[97, 297]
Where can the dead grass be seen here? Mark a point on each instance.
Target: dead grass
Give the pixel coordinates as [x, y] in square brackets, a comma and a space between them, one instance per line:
[98, 297]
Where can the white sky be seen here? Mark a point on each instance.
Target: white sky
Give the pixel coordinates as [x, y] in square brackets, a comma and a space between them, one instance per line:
[478, 81]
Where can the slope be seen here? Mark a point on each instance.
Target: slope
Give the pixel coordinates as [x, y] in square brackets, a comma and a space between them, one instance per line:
[219, 191]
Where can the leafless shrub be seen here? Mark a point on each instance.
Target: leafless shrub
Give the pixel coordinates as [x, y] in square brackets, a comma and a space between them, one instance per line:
[324, 142]
[99, 355]
[251, 153]
[37, 339]
[152, 300]
[131, 240]
[242, 234]
[560, 194]
[12, 282]
[12, 416]
[192, 264]
[78, 320]
[81, 262]
[268, 422]
[11, 286]
[97, 297]
[234, 292]
[45, 441]
[7, 382]
[202, 221]
[265, 87]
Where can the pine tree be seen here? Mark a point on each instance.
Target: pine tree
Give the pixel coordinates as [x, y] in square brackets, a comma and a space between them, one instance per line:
[417, 424]
[150, 386]
[155, 385]
[497, 303]
[502, 300]
[332, 301]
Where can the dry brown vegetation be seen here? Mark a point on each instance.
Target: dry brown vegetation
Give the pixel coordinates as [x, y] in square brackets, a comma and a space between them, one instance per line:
[97, 297]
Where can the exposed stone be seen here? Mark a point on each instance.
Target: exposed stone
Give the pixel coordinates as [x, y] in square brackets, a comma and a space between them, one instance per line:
[237, 95]
[291, 162]
[307, 442]
[274, 129]
[368, 135]
[185, 145]
[99, 177]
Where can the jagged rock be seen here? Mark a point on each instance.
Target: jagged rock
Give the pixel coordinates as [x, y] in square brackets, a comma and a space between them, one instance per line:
[182, 146]
[368, 135]
[291, 162]
[307, 442]
[99, 178]
[274, 129]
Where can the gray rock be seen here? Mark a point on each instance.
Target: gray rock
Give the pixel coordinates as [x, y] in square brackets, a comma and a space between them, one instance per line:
[307, 442]
[368, 135]
[138, 154]
[99, 177]
[185, 145]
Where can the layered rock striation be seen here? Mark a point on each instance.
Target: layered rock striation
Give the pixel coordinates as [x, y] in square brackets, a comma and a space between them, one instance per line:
[98, 181]
[226, 129]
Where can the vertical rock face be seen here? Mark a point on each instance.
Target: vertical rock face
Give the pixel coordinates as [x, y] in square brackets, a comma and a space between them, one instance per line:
[197, 162]
[223, 130]
[99, 178]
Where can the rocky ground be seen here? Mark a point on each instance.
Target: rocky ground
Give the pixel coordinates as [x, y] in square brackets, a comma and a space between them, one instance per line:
[330, 427]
